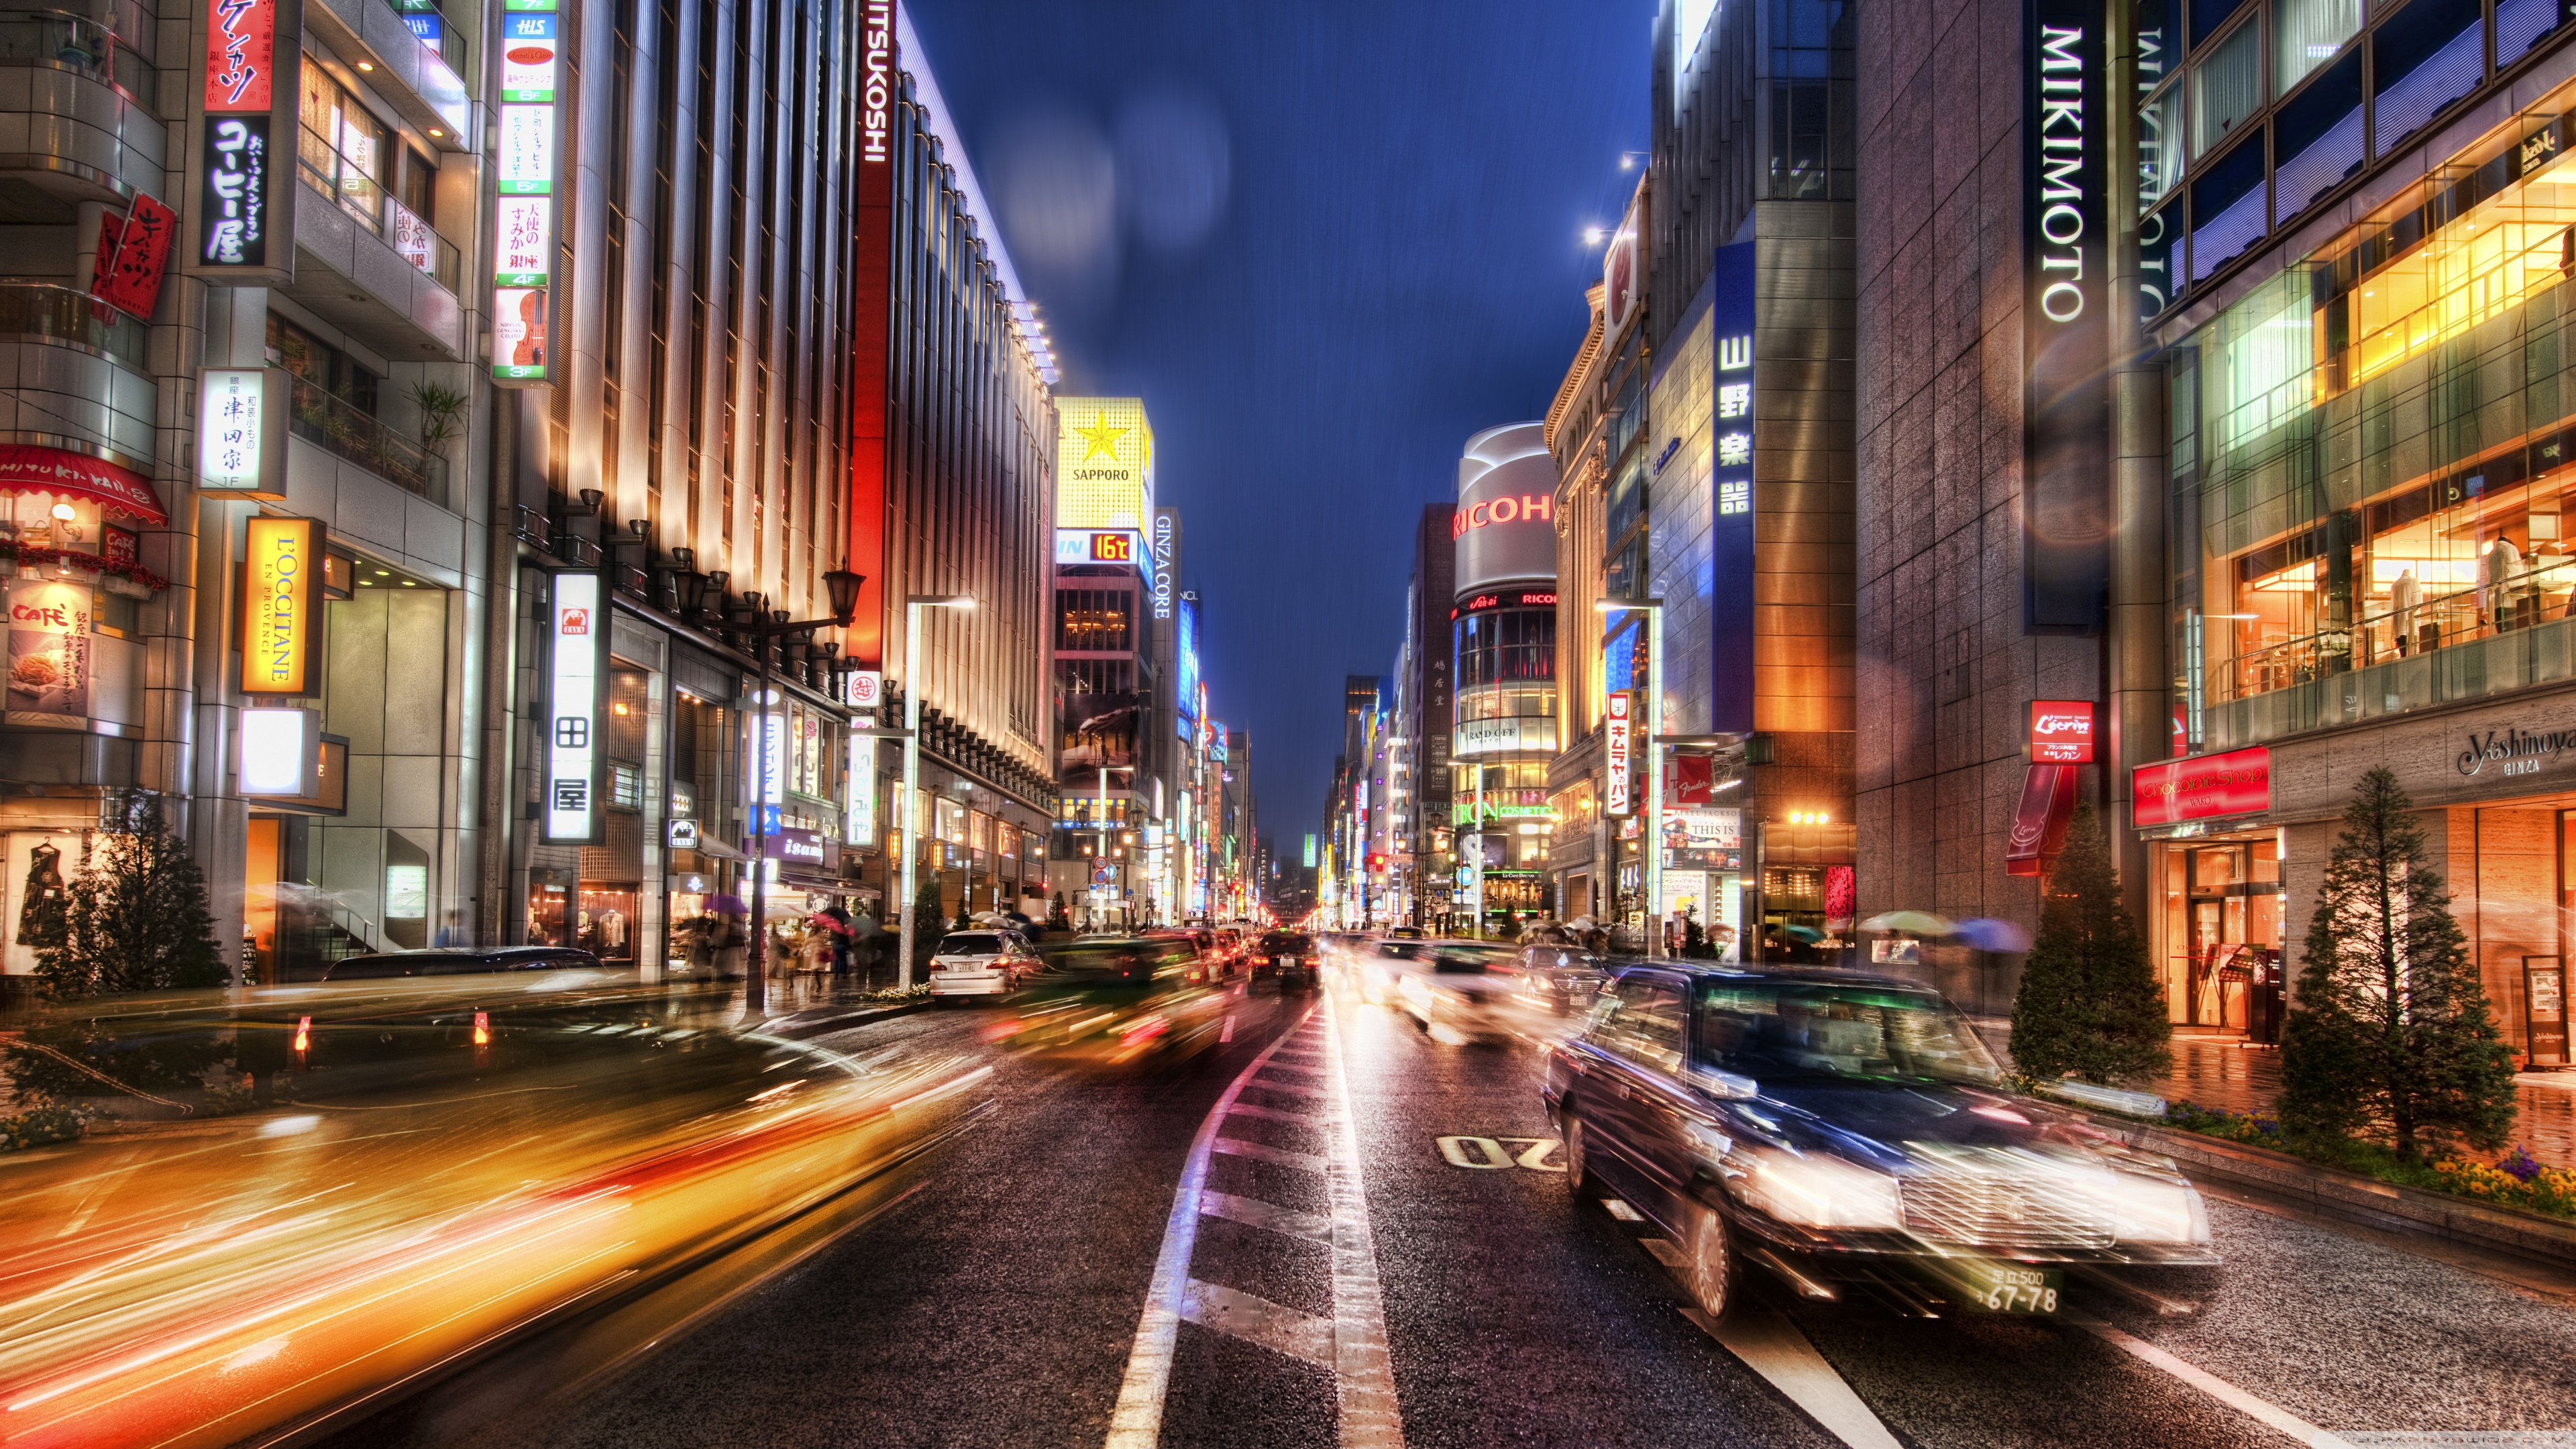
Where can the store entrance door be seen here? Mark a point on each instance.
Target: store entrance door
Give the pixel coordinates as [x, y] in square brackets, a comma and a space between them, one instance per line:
[2230, 966]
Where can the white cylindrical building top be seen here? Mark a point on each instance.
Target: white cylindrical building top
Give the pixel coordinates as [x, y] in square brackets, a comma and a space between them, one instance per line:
[1505, 526]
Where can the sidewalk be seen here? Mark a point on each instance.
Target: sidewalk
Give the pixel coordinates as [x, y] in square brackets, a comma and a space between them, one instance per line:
[2216, 1072]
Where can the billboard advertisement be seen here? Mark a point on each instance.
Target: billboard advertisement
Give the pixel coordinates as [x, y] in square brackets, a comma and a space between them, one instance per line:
[1104, 464]
[2066, 271]
[1505, 523]
[1730, 529]
[1186, 652]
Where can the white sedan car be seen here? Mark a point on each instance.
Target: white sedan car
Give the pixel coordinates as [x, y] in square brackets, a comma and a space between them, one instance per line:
[982, 963]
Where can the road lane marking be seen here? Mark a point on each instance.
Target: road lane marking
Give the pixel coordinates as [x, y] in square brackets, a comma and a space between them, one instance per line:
[1362, 1369]
[1258, 1320]
[1770, 1345]
[2261, 1410]
[1137, 1421]
[1286, 1221]
[1486, 1154]
[1622, 1211]
[1304, 1119]
[1264, 1152]
[1667, 1252]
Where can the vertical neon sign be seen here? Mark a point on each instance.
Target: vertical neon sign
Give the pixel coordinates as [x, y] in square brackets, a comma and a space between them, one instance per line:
[523, 256]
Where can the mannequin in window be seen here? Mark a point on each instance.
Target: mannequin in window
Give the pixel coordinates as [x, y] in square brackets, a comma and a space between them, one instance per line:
[2499, 575]
[2401, 603]
[44, 913]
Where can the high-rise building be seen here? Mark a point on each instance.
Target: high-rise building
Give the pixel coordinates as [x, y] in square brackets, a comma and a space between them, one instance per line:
[504, 449]
[1106, 657]
[1426, 687]
[1502, 630]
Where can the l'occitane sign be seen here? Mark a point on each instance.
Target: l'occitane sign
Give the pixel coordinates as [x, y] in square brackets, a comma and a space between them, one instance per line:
[282, 601]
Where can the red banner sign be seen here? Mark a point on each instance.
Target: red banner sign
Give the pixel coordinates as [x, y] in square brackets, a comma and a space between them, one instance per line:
[2061, 731]
[29, 469]
[2236, 783]
[872, 332]
[241, 54]
[133, 257]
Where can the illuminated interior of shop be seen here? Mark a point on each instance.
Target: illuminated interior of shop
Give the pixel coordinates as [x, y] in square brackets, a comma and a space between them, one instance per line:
[2221, 933]
[2328, 368]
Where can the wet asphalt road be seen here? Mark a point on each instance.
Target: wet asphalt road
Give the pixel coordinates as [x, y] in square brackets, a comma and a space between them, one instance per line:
[994, 1297]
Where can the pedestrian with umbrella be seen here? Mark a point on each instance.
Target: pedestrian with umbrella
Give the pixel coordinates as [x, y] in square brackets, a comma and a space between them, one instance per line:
[728, 938]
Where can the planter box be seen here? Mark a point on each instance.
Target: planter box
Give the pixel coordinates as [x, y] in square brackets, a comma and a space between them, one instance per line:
[2349, 1196]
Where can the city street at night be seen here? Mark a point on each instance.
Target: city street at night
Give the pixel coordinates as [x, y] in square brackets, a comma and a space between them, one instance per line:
[999, 1301]
[1140, 724]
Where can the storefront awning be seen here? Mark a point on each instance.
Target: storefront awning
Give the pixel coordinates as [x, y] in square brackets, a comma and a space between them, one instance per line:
[28, 469]
[2039, 821]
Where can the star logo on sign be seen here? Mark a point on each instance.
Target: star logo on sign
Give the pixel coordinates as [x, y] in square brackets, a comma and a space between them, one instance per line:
[1100, 439]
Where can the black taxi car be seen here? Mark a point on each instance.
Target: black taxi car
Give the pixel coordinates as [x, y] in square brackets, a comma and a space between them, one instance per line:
[1839, 1128]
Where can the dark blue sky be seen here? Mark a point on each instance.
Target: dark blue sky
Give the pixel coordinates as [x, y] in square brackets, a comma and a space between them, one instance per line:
[1397, 264]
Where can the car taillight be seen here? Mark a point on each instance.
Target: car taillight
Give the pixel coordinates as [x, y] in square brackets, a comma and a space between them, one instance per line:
[482, 1028]
[303, 1034]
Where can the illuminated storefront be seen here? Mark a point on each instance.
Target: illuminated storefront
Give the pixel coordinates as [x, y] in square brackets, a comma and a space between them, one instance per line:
[1504, 712]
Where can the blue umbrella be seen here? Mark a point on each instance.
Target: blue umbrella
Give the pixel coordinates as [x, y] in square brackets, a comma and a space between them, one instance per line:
[1987, 934]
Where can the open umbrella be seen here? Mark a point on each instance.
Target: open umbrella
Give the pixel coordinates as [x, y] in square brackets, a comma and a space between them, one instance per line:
[1911, 923]
[728, 906]
[1808, 934]
[1987, 934]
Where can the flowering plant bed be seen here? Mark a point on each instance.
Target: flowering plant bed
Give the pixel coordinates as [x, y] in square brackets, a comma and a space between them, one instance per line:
[2516, 1180]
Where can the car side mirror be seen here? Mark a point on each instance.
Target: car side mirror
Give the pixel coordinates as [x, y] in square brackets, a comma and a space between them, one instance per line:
[1725, 1086]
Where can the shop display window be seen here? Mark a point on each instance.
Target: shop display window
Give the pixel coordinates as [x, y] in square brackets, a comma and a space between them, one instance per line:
[2221, 933]
[2372, 449]
[604, 923]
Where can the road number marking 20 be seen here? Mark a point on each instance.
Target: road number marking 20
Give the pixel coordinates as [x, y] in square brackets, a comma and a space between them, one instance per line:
[1490, 1154]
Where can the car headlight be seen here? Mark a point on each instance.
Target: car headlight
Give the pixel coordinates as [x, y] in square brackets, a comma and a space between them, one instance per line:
[1817, 1191]
[2150, 1210]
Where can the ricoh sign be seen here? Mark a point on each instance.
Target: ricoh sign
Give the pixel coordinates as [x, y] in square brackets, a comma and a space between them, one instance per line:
[2066, 264]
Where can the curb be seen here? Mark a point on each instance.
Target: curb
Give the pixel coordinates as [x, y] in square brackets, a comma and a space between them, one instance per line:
[795, 1029]
[2331, 1192]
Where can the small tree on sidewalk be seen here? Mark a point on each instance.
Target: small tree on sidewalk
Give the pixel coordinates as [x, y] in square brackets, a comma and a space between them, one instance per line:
[138, 919]
[2390, 1031]
[2089, 1003]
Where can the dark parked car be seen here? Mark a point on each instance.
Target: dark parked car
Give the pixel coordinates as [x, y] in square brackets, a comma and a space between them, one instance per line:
[1558, 975]
[1286, 957]
[1838, 1128]
[460, 961]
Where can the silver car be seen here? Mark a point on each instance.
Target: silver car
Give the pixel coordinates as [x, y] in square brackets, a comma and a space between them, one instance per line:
[982, 963]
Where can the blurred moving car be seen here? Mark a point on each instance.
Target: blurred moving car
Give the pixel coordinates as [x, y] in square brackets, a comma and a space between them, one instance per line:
[1557, 975]
[1460, 991]
[1288, 958]
[459, 961]
[1118, 997]
[1839, 1129]
[982, 963]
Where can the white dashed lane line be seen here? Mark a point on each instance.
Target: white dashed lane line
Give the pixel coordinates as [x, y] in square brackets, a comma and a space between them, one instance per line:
[1351, 1344]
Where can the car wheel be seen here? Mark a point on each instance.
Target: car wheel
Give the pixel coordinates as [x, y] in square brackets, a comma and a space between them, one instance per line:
[1708, 1267]
[1578, 1160]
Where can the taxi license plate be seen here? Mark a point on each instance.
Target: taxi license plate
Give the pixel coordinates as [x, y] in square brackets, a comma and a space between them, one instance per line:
[2011, 1288]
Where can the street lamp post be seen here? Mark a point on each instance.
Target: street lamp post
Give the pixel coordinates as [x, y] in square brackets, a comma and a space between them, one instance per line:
[912, 608]
[1651, 862]
[844, 588]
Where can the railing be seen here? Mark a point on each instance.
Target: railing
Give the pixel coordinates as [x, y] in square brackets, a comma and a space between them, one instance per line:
[2455, 651]
[367, 202]
[78, 43]
[60, 314]
[2540, 591]
[422, 15]
[422, 246]
[339, 425]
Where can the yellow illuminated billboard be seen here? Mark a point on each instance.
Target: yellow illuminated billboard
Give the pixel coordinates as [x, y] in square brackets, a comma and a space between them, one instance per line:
[1104, 463]
[282, 604]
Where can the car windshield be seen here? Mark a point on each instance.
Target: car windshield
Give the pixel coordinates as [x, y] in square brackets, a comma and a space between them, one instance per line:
[1286, 941]
[1773, 1031]
[971, 943]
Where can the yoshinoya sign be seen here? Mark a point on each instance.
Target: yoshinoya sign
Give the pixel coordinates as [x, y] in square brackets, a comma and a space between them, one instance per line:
[2065, 318]
[2206, 787]
[2513, 751]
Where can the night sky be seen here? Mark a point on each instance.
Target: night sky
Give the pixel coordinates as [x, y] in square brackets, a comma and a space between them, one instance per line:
[1345, 237]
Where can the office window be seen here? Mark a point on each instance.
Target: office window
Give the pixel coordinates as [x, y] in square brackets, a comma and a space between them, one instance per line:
[2226, 88]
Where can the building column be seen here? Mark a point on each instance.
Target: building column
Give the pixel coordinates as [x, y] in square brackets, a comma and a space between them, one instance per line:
[2136, 681]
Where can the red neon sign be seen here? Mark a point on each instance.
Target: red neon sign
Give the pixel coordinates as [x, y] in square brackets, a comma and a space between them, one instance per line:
[2061, 731]
[1529, 507]
[241, 51]
[2236, 783]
